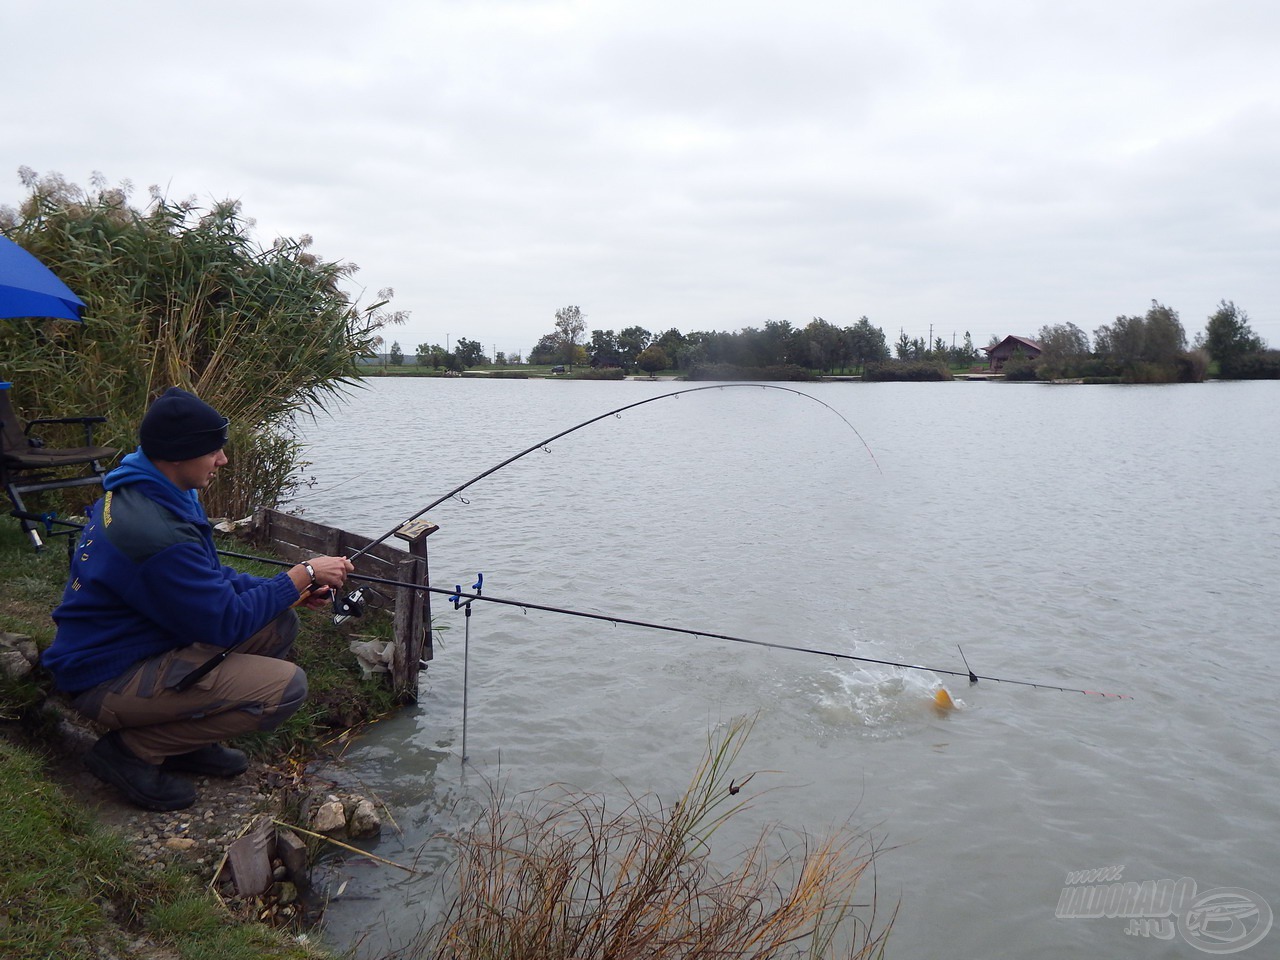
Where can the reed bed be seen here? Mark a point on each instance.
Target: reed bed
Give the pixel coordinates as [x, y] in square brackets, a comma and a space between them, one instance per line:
[561, 875]
[180, 295]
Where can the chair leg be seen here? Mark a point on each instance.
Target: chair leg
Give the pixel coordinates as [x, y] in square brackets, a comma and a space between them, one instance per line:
[27, 525]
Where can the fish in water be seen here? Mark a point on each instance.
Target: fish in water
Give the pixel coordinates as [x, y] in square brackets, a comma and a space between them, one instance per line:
[942, 700]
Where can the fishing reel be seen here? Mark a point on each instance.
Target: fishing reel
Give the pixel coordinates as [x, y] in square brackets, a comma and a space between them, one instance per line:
[348, 606]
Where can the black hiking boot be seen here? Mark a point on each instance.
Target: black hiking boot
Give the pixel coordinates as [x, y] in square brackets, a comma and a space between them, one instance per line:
[214, 760]
[145, 784]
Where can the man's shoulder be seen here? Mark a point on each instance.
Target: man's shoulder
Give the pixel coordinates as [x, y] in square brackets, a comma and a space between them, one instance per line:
[140, 526]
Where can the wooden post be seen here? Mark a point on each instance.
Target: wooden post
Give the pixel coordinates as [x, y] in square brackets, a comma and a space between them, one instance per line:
[413, 610]
[404, 668]
[419, 550]
[295, 539]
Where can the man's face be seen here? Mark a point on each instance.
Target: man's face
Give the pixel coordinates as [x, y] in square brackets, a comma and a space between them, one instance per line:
[198, 472]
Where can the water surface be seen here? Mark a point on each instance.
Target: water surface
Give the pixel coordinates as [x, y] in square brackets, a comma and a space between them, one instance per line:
[1123, 539]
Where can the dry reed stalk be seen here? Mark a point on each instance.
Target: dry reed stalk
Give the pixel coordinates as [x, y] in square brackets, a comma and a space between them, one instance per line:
[563, 876]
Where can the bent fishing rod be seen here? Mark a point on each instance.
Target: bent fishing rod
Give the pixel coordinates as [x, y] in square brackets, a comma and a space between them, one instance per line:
[542, 444]
[352, 605]
[461, 599]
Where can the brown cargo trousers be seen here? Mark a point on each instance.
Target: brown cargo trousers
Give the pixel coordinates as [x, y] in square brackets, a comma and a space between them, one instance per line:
[254, 688]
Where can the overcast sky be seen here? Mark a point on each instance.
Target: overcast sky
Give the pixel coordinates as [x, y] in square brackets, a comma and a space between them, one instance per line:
[958, 165]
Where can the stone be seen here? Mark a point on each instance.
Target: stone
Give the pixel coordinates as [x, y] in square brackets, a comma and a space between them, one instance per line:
[329, 817]
[14, 664]
[179, 843]
[364, 820]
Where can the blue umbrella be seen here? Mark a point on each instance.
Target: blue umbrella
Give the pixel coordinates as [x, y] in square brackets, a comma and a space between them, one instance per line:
[29, 289]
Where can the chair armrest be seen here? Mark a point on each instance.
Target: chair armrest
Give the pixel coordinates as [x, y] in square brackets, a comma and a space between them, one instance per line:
[84, 420]
[87, 422]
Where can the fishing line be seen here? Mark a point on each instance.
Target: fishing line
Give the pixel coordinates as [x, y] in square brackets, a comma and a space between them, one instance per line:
[465, 599]
[542, 444]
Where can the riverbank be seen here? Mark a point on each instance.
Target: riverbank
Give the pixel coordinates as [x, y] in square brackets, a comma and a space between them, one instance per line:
[85, 874]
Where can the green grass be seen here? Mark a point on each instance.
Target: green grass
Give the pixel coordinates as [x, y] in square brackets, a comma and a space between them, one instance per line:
[71, 889]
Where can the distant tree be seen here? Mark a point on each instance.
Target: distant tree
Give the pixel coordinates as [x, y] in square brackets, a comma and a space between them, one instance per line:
[822, 344]
[1228, 337]
[1156, 338]
[571, 323]
[1148, 349]
[652, 359]
[603, 349]
[631, 341]
[674, 344]
[1123, 340]
[867, 343]
[397, 355]
[515, 359]
[499, 359]
[469, 353]
[1064, 347]
[422, 354]
[1166, 340]
[903, 346]
[777, 343]
[546, 350]
[964, 354]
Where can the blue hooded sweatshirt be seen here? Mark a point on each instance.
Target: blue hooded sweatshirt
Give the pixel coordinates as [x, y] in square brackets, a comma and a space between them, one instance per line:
[146, 579]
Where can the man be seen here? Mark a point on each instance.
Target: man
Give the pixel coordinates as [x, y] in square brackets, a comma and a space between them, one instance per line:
[148, 601]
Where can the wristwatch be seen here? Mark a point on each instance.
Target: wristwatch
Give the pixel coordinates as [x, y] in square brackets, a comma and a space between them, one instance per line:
[311, 572]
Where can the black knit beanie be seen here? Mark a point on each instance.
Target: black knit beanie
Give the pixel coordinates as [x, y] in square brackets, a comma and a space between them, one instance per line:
[180, 426]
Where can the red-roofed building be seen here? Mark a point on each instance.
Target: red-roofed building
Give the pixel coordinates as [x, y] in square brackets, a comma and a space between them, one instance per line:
[1008, 347]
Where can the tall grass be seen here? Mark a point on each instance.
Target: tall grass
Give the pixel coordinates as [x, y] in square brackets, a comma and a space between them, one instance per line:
[177, 295]
[563, 876]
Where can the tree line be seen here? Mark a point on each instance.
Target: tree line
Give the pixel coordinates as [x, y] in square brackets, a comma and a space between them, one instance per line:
[819, 345]
[1148, 348]
[1151, 348]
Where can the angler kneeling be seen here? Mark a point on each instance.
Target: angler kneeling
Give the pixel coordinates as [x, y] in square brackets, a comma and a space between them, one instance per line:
[149, 603]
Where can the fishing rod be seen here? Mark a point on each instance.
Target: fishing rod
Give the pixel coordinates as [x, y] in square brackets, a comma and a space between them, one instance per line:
[351, 604]
[586, 423]
[461, 599]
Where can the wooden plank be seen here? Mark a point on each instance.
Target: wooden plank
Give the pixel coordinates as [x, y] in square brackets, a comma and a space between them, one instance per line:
[250, 859]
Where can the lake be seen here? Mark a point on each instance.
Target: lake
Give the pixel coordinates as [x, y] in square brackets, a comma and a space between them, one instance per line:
[1116, 538]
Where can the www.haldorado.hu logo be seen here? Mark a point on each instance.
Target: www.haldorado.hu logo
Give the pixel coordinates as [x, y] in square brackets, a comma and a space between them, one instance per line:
[1222, 920]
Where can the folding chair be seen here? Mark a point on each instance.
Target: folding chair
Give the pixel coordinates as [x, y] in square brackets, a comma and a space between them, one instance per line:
[28, 466]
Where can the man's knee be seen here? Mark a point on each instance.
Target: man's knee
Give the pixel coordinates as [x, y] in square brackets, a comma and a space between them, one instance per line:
[276, 638]
[291, 698]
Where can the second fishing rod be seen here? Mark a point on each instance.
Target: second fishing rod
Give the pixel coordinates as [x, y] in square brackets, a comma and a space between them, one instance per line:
[461, 599]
